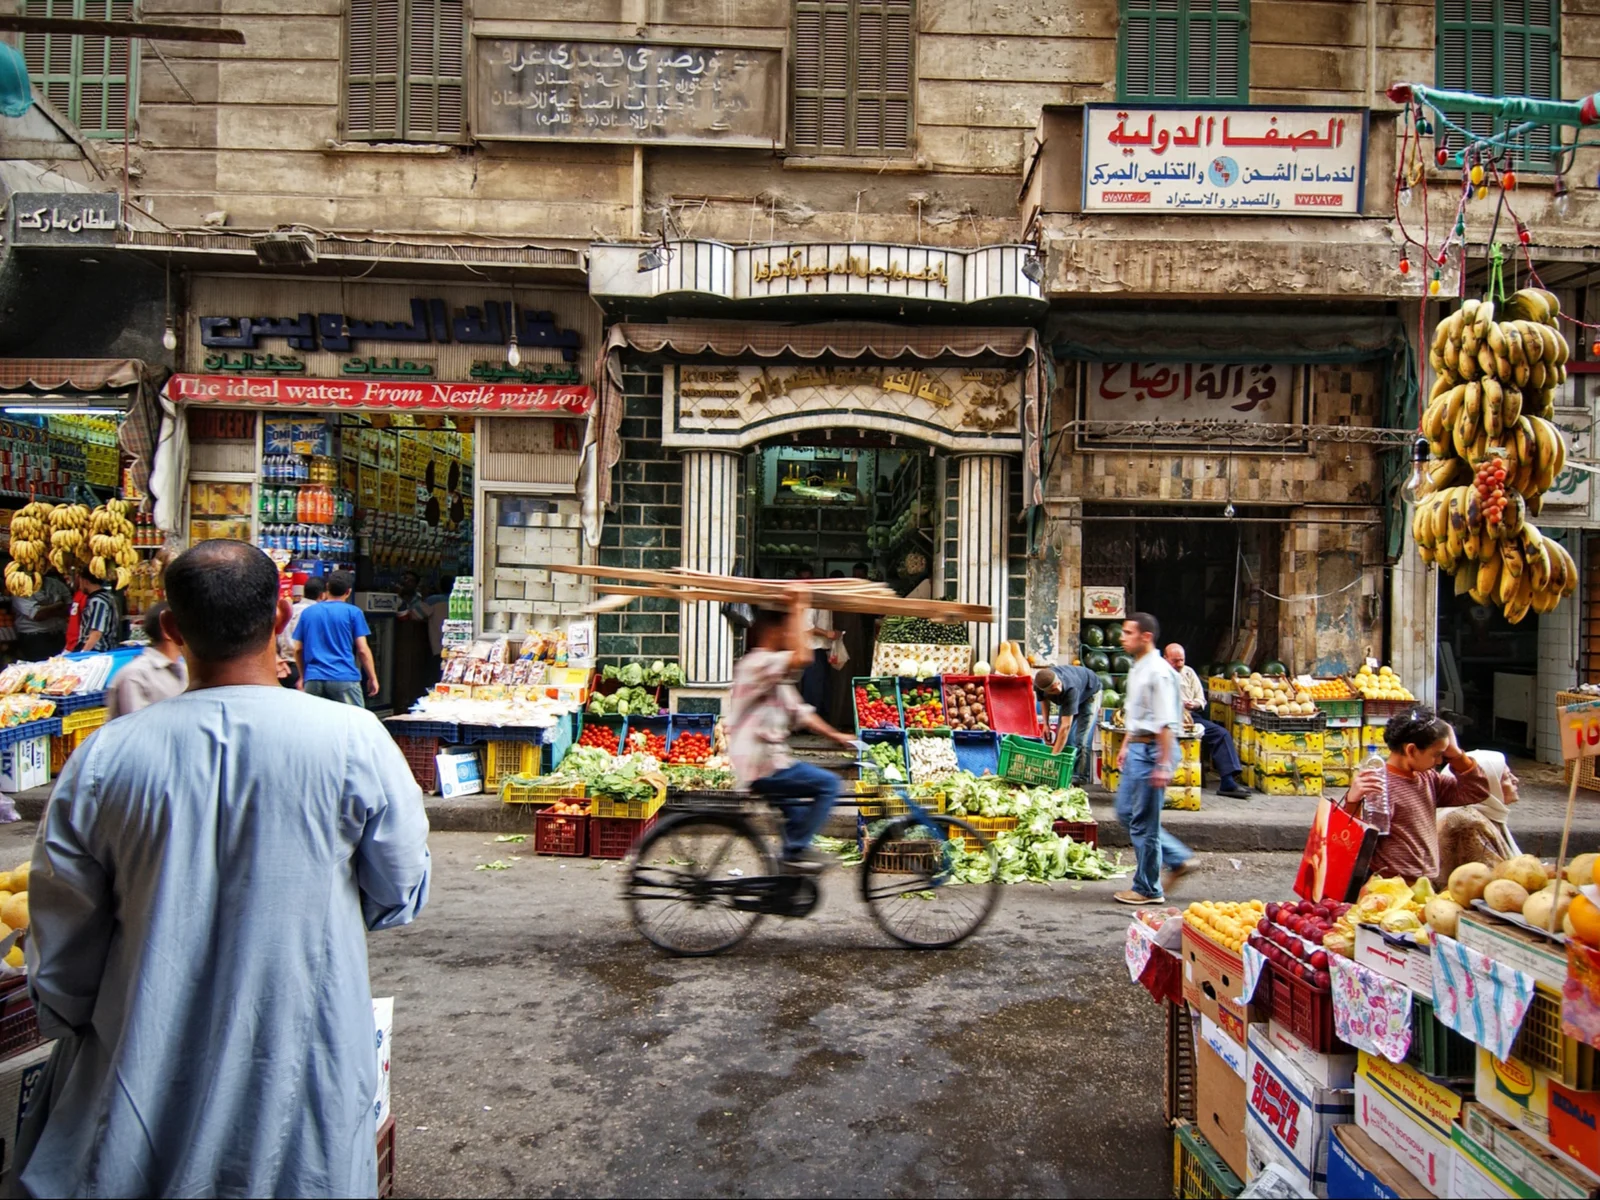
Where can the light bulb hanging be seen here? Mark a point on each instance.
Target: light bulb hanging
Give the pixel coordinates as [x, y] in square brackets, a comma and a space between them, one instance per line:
[514, 352]
[1405, 197]
[1563, 201]
[169, 337]
[1230, 512]
[1420, 483]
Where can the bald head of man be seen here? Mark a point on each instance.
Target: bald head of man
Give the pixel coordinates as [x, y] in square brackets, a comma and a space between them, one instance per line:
[1174, 655]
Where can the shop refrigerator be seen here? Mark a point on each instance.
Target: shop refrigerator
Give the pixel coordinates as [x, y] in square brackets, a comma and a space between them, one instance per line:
[380, 609]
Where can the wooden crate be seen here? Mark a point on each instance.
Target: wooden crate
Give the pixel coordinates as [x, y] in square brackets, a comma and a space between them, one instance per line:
[1587, 778]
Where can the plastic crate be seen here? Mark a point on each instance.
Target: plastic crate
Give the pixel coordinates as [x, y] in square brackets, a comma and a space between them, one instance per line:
[422, 757]
[614, 723]
[610, 808]
[1541, 1043]
[386, 1159]
[1378, 712]
[661, 726]
[503, 759]
[83, 718]
[944, 692]
[530, 734]
[1178, 1087]
[560, 834]
[83, 700]
[1340, 710]
[64, 745]
[1241, 704]
[682, 723]
[878, 737]
[10, 736]
[1436, 1049]
[932, 684]
[1034, 764]
[19, 1021]
[519, 790]
[987, 826]
[977, 752]
[913, 856]
[444, 731]
[1305, 1010]
[1265, 722]
[1087, 832]
[615, 837]
[1013, 707]
[1198, 1172]
[890, 691]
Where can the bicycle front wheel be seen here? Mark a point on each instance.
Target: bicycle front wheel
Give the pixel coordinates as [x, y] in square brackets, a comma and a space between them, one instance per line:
[685, 891]
[930, 881]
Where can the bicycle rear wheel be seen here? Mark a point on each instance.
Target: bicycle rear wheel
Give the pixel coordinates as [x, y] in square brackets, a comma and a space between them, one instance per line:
[683, 890]
[930, 881]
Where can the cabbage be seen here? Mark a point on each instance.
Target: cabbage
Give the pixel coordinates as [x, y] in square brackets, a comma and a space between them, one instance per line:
[632, 675]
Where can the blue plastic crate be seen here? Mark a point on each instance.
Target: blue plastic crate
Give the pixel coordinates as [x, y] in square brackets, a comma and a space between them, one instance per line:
[659, 725]
[445, 731]
[33, 729]
[71, 704]
[705, 723]
[503, 733]
[978, 751]
[560, 742]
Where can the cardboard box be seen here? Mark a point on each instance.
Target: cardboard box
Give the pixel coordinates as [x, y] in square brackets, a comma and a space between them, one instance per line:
[1515, 1092]
[459, 773]
[1360, 1169]
[1287, 1115]
[383, 1022]
[1219, 1105]
[1395, 958]
[1431, 1103]
[1476, 1175]
[25, 764]
[1528, 952]
[20, 1079]
[1405, 1125]
[1336, 1071]
[1212, 981]
[1539, 1169]
[1575, 1124]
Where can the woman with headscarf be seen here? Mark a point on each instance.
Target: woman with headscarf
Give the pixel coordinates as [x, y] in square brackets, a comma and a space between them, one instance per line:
[1479, 833]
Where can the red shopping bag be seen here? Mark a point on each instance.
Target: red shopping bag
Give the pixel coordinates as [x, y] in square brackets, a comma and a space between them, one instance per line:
[1337, 857]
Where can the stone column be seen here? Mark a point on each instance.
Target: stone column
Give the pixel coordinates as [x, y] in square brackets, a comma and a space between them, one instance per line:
[981, 545]
[710, 517]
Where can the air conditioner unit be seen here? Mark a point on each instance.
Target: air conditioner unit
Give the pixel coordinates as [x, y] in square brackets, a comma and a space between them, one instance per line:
[281, 249]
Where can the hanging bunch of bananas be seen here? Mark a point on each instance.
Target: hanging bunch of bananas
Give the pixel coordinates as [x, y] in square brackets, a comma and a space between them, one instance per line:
[30, 534]
[110, 543]
[69, 536]
[1488, 424]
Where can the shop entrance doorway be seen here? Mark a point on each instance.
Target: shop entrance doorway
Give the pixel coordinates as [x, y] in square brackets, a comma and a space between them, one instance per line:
[1203, 579]
[857, 505]
[1487, 672]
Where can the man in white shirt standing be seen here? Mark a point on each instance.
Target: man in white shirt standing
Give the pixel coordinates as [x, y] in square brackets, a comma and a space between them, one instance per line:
[1153, 718]
[1214, 739]
[155, 675]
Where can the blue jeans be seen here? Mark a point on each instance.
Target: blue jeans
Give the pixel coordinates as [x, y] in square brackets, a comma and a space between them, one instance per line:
[340, 691]
[1139, 810]
[806, 794]
[1082, 729]
[1216, 743]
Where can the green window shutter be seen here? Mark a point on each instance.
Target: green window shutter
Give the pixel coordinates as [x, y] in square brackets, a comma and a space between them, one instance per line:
[1501, 48]
[853, 66]
[372, 69]
[435, 91]
[1177, 50]
[93, 81]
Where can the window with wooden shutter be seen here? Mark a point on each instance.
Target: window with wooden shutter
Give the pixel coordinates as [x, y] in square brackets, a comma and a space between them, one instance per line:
[405, 71]
[853, 69]
[1175, 50]
[1501, 48]
[93, 81]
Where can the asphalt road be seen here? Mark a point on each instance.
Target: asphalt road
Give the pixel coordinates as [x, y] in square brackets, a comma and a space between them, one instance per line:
[541, 1048]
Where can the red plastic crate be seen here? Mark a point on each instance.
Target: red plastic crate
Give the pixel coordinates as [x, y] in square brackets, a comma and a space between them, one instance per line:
[422, 757]
[1012, 705]
[386, 1159]
[1087, 832]
[944, 694]
[1305, 1010]
[615, 837]
[558, 833]
[19, 1021]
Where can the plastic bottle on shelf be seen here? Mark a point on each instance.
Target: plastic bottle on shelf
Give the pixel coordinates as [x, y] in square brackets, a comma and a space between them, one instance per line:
[1376, 808]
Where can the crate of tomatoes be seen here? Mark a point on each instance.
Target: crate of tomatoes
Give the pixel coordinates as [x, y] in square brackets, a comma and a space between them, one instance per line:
[648, 735]
[602, 733]
[877, 703]
[922, 704]
[689, 739]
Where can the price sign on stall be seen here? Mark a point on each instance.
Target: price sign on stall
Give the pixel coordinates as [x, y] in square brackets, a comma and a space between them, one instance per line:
[1580, 729]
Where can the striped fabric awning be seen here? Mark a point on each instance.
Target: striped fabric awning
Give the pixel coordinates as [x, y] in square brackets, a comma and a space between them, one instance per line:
[61, 380]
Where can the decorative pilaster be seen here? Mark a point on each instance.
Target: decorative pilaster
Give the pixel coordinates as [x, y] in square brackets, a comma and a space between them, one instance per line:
[710, 522]
[981, 545]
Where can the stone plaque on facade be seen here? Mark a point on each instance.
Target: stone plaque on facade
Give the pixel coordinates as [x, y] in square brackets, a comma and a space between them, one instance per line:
[539, 90]
[1570, 494]
[735, 406]
[65, 218]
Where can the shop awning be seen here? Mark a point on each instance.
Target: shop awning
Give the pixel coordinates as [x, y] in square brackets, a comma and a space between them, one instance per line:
[1166, 336]
[834, 339]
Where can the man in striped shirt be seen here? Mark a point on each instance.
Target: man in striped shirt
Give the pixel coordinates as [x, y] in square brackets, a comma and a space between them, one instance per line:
[98, 628]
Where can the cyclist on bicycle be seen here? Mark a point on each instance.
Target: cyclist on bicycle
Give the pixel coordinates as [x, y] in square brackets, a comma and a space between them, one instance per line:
[764, 708]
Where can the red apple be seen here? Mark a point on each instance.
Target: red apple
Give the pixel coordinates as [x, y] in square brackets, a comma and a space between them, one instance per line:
[1319, 960]
[1264, 926]
[1272, 910]
[1323, 980]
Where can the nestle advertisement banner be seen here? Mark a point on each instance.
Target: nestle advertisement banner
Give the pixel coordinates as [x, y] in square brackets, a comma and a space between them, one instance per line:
[240, 390]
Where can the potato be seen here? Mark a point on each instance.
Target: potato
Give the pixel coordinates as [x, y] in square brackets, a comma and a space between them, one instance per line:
[1467, 883]
[1505, 895]
[1524, 870]
[1580, 871]
[1442, 914]
[1536, 911]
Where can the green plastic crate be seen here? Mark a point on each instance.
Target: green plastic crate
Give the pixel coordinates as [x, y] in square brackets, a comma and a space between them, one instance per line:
[1033, 764]
[1437, 1050]
[1198, 1171]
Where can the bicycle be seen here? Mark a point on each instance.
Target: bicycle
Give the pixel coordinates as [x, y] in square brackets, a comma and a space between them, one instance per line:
[704, 877]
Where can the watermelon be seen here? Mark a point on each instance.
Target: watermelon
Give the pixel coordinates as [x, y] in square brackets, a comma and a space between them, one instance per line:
[1097, 660]
[1110, 700]
[1239, 670]
[1093, 635]
[1274, 669]
[1107, 684]
[1121, 664]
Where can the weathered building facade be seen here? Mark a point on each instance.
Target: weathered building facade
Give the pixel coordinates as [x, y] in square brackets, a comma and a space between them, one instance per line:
[728, 165]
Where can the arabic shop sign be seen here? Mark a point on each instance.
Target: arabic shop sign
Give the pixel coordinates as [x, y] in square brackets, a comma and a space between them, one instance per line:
[395, 367]
[1261, 161]
[734, 406]
[431, 322]
[535, 90]
[64, 218]
[235, 391]
[824, 269]
[1265, 393]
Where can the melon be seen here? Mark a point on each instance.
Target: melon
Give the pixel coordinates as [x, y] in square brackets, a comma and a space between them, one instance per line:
[1580, 871]
[15, 912]
[1524, 870]
[1276, 669]
[1502, 895]
[1097, 660]
[1121, 664]
[1467, 883]
[1536, 911]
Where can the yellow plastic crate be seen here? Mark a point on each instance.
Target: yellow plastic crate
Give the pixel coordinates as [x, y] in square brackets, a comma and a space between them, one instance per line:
[1187, 775]
[890, 801]
[1287, 762]
[521, 790]
[1185, 799]
[629, 810]
[84, 718]
[988, 826]
[1309, 743]
[1288, 785]
[1189, 749]
[501, 760]
[1337, 777]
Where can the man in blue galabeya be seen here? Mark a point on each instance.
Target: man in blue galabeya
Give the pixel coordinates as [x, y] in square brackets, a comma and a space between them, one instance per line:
[202, 886]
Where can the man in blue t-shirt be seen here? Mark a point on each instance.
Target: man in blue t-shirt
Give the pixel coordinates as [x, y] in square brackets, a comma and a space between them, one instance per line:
[330, 647]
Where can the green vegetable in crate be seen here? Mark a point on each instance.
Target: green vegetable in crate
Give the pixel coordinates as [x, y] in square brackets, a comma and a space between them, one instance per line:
[919, 631]
[886, 757]
[1093, 635]
[1097, 660]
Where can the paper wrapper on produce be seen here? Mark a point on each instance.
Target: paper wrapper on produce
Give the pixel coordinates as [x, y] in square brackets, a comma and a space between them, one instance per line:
[1255, 963]
[1370, 1012]
[1481, 999]
[1580, 996]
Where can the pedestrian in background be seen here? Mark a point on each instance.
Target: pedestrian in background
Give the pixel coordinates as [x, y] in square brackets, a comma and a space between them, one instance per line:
[1216, 741]
[156, 674]
[100, 624]
[42, 619]
[1153, 718]
[330, 647]
[198, 937]
[288, 669]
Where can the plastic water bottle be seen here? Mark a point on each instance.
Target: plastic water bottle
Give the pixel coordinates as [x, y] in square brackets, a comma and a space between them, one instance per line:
[1376, 809]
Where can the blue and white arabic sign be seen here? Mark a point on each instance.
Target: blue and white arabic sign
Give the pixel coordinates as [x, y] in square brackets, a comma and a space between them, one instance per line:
[1262, 161]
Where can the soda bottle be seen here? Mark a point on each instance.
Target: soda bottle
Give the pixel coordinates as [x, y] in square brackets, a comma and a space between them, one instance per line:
[1376, 809]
